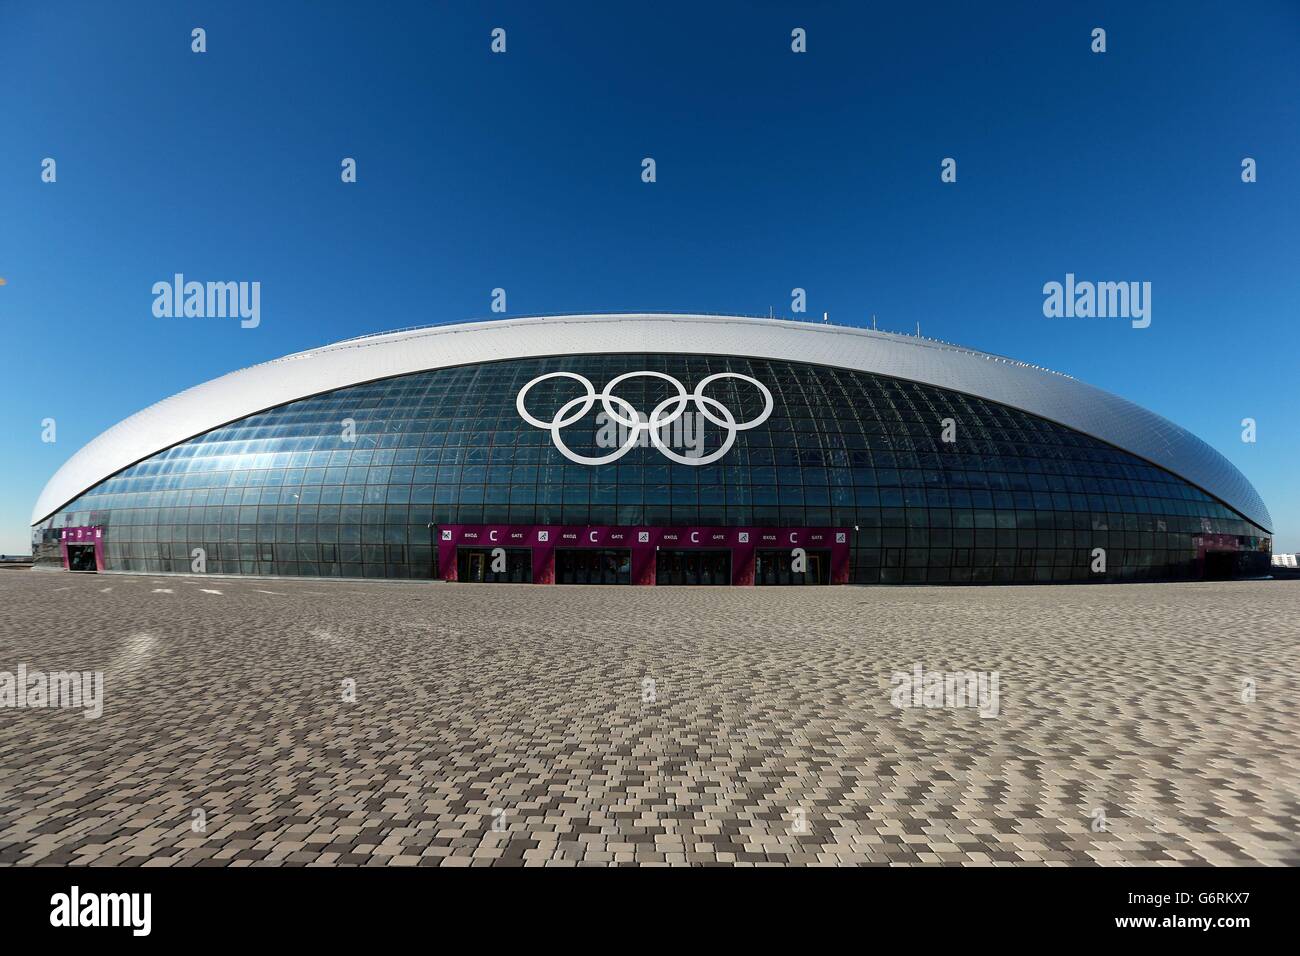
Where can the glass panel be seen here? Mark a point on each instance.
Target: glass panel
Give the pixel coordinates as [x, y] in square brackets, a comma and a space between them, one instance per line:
[1014, 499]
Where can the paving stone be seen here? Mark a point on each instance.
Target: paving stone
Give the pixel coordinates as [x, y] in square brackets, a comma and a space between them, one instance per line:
[514, 725]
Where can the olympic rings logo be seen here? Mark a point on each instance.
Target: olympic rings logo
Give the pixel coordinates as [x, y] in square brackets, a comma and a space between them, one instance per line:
[664, 414]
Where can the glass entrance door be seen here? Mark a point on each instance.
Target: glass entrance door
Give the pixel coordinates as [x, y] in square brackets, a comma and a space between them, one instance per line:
[81, 557]
[475, 565]
[773, 568]
[695, 567]
[593, 566]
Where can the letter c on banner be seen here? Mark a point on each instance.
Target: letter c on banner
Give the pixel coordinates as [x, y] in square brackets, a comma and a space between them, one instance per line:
[794, 537]
[593, 537]
[695, 537]
[492, 535]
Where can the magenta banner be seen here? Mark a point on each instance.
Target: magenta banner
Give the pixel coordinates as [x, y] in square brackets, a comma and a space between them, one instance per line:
[644, 543]
[82, 536]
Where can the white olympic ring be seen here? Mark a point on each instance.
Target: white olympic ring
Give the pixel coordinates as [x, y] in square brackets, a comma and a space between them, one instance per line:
[565, 415]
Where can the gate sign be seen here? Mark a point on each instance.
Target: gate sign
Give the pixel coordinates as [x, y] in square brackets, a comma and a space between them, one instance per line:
[644, 543]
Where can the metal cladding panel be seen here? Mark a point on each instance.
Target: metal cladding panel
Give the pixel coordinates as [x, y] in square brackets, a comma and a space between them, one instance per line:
[1038, 391]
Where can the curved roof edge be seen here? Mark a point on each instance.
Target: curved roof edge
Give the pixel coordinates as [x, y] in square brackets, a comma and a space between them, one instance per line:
[1038, 391]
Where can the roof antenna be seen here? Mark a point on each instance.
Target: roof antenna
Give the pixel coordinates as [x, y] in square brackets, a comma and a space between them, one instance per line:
[826, 317]
[918, 330]
[873, 322]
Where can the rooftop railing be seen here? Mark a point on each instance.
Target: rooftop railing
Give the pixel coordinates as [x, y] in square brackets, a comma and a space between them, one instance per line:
[806, 320]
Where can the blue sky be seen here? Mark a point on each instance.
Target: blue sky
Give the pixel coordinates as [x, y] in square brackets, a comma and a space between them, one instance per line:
[775, 170]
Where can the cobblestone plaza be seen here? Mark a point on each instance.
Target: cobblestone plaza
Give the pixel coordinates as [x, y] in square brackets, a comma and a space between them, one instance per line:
[511, 724]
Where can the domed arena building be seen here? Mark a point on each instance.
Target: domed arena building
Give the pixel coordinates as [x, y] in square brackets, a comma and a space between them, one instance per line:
[653, 449]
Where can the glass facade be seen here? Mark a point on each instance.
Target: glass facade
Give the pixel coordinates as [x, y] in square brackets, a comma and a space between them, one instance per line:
[347, 483]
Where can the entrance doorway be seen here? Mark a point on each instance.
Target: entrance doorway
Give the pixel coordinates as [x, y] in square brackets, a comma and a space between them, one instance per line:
[696, 567]
[593, 566]
[773, 568]
[1220, 565]
[475, 565]
[81, 557]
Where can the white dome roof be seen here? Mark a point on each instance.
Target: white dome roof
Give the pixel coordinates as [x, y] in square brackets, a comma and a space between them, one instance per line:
[1038, 391]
